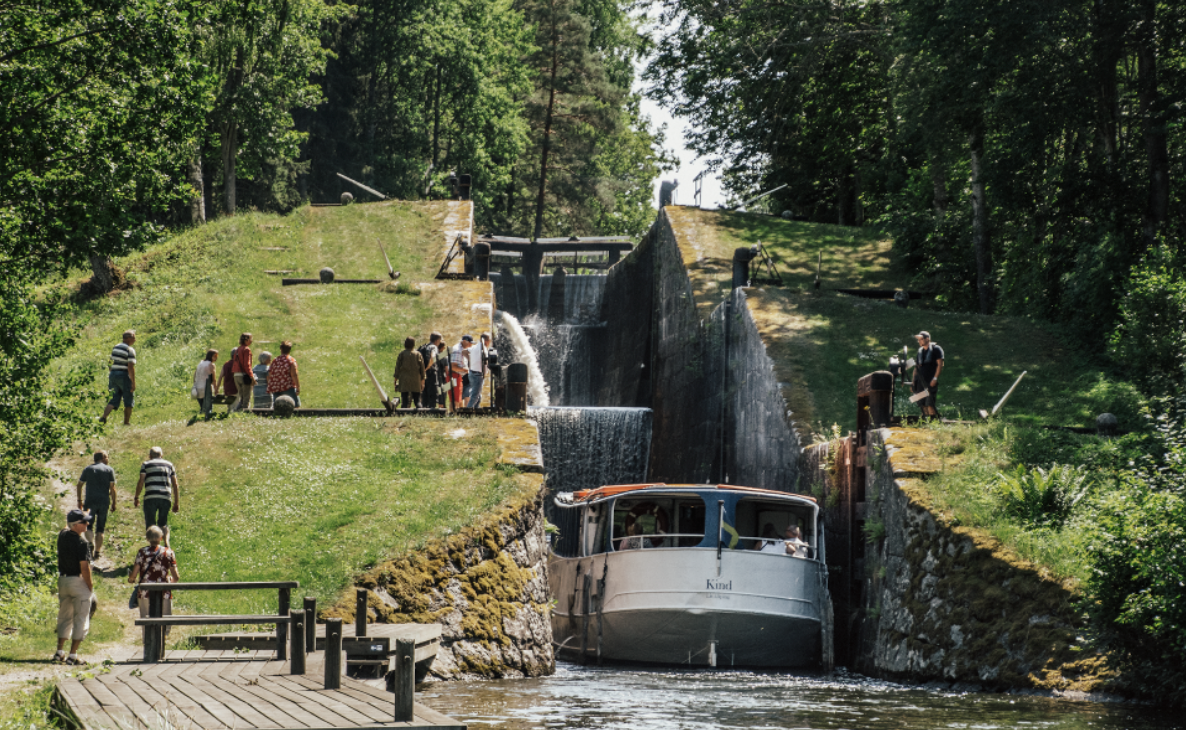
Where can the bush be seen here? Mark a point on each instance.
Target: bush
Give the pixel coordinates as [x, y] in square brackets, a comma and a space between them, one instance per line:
[1043, 497]
[1137, 584]
[1150, 341]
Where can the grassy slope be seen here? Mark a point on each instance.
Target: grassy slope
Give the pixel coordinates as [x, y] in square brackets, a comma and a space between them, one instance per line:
[316, 500]
[823, 342]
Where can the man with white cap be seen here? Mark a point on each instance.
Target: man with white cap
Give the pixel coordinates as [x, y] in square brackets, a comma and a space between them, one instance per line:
[76, 587]
[927, 367]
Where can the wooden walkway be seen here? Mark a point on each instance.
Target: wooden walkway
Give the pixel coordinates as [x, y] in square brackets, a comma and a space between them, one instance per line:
[229, 690]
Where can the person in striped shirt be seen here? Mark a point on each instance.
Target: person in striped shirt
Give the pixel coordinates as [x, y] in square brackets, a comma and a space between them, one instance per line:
[157, 476]
[121, 379]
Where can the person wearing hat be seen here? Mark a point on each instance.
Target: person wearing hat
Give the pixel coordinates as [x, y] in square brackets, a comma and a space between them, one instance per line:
[76, 588]
[928, 365]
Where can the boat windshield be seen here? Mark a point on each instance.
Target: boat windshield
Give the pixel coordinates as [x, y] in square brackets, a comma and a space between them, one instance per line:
[775, 527]
[658, 521]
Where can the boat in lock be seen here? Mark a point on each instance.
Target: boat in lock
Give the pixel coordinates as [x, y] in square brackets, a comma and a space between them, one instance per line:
[691, 574]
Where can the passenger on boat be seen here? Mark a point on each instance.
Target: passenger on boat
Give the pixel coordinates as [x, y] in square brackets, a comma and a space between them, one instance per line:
[769, 542]
[633, 541]
[795, 546]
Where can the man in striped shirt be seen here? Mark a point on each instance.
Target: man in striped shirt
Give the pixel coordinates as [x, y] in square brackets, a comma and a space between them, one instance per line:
[158, 481]
[121, 379]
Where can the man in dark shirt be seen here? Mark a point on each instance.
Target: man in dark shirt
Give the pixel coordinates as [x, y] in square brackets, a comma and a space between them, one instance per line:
[76, 588]
[99, 479]
[927, 367]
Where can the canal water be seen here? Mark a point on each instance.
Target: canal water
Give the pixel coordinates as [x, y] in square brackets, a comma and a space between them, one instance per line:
[590, 698]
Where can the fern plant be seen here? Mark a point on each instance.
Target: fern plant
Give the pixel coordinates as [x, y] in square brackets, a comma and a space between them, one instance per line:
[1043, 497]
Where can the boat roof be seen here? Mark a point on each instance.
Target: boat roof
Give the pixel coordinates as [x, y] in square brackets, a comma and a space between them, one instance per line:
[592, 495]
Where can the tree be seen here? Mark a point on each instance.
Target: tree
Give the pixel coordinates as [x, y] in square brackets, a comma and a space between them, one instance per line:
[573, 107]
[264, 54]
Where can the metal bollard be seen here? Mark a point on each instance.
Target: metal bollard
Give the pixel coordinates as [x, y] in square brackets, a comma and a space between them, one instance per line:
[296, 662]
[517, 387]
[360, 612]
[405, 679]
[310, 624]
[333, 653]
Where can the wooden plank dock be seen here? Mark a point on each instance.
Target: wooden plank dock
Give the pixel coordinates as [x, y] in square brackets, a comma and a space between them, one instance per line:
[229, 690]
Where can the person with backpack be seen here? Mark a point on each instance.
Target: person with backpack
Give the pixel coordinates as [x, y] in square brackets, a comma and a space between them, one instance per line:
[409, 375]
[428, 353]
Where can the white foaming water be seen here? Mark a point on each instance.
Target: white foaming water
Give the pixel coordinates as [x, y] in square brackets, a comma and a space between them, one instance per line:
[537, 387]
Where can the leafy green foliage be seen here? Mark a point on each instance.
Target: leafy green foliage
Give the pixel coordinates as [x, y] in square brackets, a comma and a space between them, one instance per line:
[1150, 341]
[1043, 496]
[1138, 555]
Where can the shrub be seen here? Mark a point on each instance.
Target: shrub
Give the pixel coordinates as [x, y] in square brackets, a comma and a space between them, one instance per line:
[1043, 497]
[1150, 340]
[1137, 585]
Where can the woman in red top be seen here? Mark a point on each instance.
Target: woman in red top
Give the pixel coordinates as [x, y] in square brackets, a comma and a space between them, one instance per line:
[282, 376]
[242, 371]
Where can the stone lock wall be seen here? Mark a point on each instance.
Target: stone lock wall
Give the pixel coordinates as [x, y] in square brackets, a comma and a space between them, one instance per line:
[487, 588]
[950, 603]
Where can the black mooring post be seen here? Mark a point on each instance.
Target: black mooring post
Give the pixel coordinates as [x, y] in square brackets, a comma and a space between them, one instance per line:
[282, 628]
[333, 653]
[296, 663]
[360, 612]
[405, 679]
[310, 624]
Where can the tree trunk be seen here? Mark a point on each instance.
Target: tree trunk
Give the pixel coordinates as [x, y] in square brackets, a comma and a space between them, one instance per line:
[1154, 123]
[197, 204]
[230, 150]
[103, 274]
[436, 121]
[938, 185]
[547, 143]
[980, 240]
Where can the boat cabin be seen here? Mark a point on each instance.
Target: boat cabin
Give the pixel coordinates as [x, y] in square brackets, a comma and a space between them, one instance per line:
[662, 516]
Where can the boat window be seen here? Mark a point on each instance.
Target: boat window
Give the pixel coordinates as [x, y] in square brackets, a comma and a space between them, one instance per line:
[658, 522]
[763, 525]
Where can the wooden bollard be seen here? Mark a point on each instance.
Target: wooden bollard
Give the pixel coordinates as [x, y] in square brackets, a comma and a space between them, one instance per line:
[405, 679]
[282, 628]
[310, 624]
[333, 653]
[296, 662]
[360, 612]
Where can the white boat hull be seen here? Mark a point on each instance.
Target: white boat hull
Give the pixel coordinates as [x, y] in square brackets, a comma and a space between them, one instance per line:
[670, 606]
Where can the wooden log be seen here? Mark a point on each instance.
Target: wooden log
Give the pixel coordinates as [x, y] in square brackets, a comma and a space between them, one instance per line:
[375, 381]
[405, 680]
[203, 620]
[372, 191]
[295, 282]
[333, 653]
[242, 585]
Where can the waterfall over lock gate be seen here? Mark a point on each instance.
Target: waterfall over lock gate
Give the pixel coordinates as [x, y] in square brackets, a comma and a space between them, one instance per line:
[512, 341]
[585, 448]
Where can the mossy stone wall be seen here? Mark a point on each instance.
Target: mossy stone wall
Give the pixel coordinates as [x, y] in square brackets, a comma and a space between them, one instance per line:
[487, 588]
[950, 603]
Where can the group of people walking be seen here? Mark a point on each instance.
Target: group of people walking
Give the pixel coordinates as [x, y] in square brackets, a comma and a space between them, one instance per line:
[269, 378]
[81, 543]
[427, 376]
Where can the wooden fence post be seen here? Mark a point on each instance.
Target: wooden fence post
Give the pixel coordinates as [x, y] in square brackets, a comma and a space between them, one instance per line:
[360, 612]
[333, 653]
[296, 662]
[310, 624]
[405, 679]
[282, 628]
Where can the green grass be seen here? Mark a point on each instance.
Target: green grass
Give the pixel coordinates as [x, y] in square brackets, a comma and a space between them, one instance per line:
[314, 500]
[204, 287]
[823, 343]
